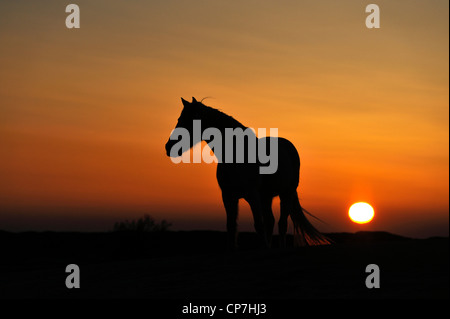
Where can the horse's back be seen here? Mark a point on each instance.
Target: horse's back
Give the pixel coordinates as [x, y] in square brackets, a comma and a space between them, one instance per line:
[286, 178]
[240, 179]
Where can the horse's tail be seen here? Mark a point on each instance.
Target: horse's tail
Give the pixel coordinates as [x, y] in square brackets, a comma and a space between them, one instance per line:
[304, 232]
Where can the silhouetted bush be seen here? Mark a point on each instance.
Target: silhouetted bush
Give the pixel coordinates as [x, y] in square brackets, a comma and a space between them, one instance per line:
[143, 224]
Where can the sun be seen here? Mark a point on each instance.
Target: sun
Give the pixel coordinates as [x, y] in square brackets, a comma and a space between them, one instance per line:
[361, 213]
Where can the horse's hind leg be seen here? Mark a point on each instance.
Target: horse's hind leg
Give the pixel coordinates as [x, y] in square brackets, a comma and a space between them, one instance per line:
[269, 220]
[285, 209]
[255, 204]
[231, 207]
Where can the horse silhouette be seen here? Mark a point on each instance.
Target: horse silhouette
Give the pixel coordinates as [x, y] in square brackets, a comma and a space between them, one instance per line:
[244, 180]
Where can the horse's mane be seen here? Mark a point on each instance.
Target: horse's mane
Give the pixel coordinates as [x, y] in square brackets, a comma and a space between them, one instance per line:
[216, 115]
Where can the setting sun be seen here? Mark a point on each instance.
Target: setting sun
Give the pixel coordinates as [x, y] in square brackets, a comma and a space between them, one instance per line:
[361, 213]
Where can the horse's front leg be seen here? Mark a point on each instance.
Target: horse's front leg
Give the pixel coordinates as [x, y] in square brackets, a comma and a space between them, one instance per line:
[231, 208]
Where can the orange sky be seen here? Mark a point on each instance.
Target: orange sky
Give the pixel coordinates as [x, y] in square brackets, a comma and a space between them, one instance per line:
[85, 113]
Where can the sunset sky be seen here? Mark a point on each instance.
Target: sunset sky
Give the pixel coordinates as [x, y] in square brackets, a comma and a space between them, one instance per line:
[85, 113]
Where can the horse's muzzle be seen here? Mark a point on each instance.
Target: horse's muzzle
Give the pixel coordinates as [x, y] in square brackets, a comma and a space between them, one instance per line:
[169, 145]
[168, 148]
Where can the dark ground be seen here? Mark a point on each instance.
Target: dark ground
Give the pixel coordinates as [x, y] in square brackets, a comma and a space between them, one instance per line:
[195, 265]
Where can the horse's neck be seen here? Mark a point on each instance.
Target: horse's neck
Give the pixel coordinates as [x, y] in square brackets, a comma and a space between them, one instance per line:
[219, 120]
[223, 122]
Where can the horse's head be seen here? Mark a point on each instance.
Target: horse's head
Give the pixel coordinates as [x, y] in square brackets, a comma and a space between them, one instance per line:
[184, 128]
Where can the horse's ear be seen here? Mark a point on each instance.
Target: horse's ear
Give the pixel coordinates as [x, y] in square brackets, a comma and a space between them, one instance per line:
[194, 100]
[185, 103]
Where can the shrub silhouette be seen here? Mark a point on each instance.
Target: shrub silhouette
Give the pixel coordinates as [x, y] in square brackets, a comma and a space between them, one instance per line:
[143, 224]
